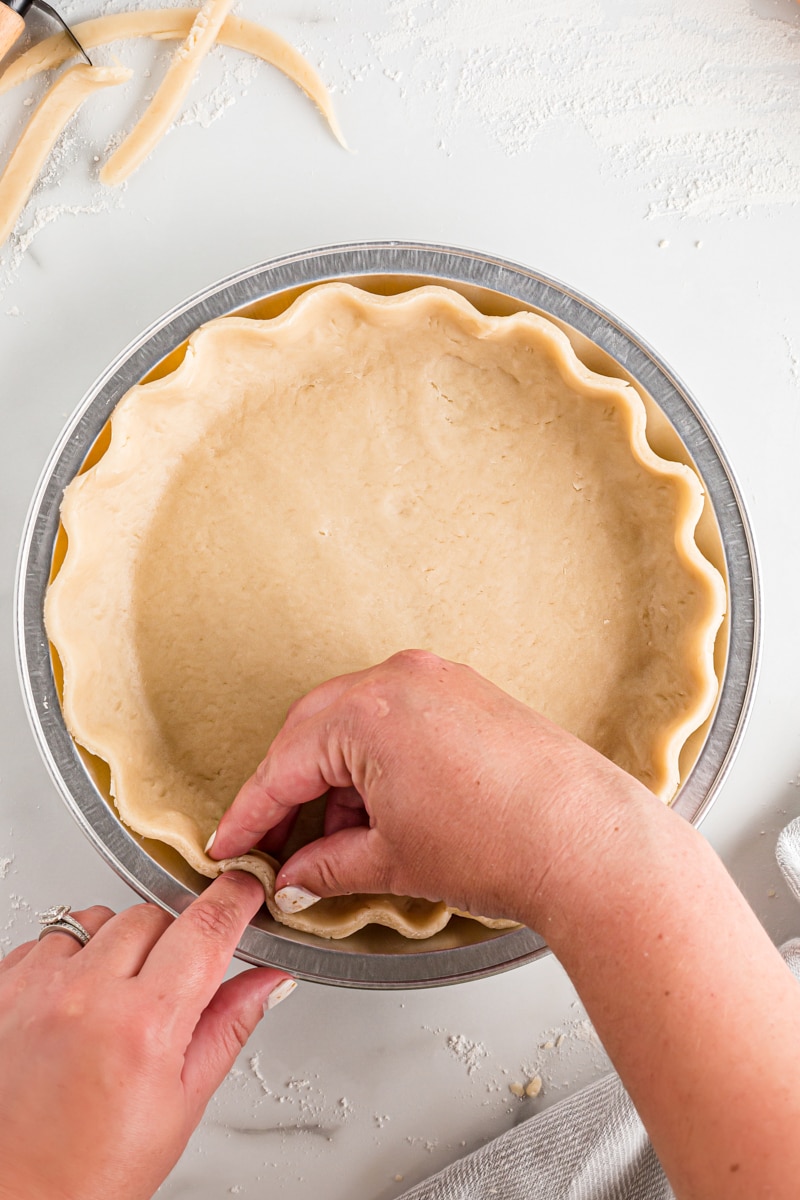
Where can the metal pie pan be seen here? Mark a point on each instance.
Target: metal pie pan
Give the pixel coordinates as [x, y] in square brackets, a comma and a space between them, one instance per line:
[376, 958]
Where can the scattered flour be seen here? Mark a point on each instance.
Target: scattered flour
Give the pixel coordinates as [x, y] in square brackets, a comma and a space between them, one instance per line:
[564, 1058]
[43, 216]
[18, 907]
[691, 107]
[64, 176]
[695, 107]
[470, 1054]
[254, 1063]
[299, 1095]
[236, 78]
[299, 1110]
[226, 77]
[428, 1144]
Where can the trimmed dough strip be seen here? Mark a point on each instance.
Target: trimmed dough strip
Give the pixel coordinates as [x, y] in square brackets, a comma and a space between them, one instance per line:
[175, 23]
[160, 113]
[40, 134]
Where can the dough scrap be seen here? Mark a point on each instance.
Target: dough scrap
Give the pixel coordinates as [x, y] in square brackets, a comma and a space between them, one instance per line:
[166, 24]
[161, 111]
[305, 495]
[53, 112]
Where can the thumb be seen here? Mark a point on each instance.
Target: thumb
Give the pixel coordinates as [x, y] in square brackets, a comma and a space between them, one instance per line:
[223, 1029]
[352, 860]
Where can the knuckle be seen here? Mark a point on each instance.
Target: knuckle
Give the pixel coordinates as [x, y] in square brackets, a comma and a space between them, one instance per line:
[212, 919]
[417, 661]
[237, 1033]
[246, 825]
[254, 802]
[95, 916]
[154, 913]
[251, 830]
[262, 771]
[330, 878]
[143, 918]
[101, 911]
[384, 874]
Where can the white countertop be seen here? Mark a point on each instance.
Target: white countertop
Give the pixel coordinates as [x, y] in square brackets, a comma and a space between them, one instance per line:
[647, 154]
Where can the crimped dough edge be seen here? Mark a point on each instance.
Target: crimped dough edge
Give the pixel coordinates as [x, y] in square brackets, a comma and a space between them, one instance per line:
[416, 919]
[79, 650]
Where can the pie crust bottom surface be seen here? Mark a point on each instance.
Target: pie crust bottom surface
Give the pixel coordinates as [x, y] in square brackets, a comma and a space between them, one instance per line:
[306, 495]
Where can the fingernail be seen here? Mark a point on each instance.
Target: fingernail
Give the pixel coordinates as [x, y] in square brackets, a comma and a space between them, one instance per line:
[210, 842]
[284, 989]
[294, 899]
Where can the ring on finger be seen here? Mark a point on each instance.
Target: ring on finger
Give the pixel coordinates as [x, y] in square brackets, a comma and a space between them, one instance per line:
[58, 920]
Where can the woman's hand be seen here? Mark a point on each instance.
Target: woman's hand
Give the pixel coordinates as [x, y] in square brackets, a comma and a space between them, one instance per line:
[442, 787]
[111, 1052]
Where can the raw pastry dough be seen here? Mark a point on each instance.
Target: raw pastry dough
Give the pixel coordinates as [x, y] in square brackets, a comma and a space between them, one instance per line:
[176, 23]
[160, 113]
[340, 917]
[40, 134]
[305, 495]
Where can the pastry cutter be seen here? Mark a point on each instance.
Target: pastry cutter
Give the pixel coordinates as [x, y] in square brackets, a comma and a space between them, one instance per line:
[12, 23]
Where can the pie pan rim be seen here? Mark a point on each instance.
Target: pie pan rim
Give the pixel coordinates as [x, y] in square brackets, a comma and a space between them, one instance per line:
[431, 263]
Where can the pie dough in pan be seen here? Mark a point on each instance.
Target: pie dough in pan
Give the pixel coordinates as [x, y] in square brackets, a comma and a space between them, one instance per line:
[305, 495]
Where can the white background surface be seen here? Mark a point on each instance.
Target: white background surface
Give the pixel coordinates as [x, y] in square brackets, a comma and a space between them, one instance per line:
[597, 140]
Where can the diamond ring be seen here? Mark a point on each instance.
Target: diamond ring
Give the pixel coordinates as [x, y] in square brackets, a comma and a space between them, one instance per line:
[58, 920]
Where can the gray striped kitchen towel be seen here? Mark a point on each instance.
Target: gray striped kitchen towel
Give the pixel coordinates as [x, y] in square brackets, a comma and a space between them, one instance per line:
[591, 1146]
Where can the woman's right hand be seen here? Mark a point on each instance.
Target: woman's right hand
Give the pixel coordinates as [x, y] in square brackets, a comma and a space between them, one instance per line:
[446, 788]
[442, 787]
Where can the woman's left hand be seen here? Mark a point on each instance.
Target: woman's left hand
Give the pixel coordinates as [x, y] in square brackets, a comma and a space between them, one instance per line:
[110, 1052]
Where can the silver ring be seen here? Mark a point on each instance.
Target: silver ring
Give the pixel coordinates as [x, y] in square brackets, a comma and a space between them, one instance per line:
[58, 920]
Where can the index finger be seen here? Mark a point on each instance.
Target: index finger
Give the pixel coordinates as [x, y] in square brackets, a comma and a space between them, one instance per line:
[302, 763]
[191, 957]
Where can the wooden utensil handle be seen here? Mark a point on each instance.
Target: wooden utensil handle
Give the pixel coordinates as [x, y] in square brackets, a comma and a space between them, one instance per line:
[11, 27]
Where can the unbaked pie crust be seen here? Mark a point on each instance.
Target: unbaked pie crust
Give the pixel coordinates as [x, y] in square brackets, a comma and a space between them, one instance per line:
[304, 496]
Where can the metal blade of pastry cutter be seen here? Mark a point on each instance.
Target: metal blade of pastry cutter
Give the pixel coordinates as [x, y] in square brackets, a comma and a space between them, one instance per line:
[52, 12]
